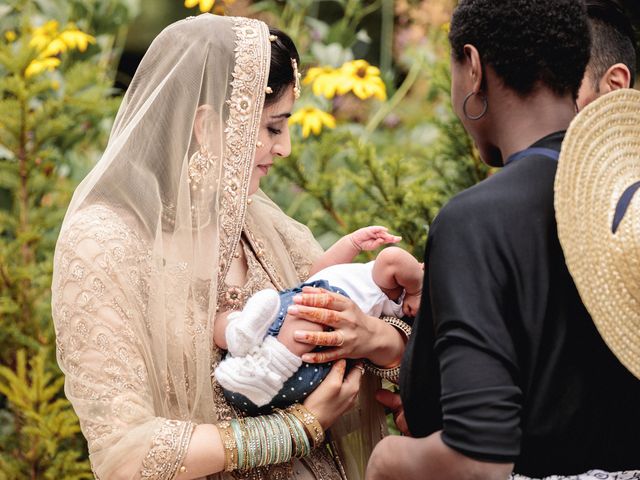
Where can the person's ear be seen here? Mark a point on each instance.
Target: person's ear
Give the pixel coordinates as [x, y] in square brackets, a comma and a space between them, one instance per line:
[475, 67]
[200, 125]
[616, 77]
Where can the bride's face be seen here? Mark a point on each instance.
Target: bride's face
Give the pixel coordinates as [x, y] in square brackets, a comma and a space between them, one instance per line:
[273, 138]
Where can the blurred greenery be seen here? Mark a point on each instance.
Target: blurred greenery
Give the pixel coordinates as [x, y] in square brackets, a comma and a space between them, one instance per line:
[58, 60]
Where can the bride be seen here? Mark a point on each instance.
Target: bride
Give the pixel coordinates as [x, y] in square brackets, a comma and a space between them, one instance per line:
[168, 229]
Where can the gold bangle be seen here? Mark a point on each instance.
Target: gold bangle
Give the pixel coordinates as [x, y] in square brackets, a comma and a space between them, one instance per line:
[309, 421]
[404, 327]
[230, 446]
[392, 373]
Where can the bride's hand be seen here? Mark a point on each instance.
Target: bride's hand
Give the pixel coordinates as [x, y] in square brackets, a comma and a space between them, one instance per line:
[336, 394]
[353, 335]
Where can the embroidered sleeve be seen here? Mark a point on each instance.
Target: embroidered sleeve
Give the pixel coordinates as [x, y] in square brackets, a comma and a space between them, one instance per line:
[168, 448]
[99, 302]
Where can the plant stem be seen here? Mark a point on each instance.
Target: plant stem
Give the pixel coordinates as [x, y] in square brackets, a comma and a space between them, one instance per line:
[389, 106]
[386, 35]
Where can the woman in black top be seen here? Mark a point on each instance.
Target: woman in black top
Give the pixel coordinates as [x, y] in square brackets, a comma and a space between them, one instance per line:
[505, 370]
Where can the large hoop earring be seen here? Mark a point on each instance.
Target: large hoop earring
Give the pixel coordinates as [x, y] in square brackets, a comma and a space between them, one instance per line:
[484, 109]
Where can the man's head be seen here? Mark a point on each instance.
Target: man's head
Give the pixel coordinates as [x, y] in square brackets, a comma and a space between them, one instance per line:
[613, 55]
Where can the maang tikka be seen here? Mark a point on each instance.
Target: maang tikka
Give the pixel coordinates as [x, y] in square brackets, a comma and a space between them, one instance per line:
[296, 78]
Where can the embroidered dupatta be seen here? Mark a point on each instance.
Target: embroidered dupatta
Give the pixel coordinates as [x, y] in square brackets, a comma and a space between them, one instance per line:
[147, 241]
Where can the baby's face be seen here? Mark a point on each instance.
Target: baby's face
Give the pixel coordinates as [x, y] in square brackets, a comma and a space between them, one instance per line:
[411, 303]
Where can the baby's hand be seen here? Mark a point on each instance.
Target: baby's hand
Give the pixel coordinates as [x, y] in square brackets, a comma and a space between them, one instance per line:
[411, 303]
[370, 238]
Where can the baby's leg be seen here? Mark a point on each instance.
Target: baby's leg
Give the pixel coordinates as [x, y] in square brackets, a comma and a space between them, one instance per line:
[246, 329]
[290, 325]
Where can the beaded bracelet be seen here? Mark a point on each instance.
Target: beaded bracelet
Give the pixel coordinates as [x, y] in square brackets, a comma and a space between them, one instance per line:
[392, 374]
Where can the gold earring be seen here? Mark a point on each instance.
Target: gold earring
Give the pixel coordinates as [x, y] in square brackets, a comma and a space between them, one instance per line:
[199, 164]
[259, 144]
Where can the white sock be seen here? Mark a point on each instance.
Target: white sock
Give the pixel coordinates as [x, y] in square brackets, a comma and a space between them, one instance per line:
[261, 374]
[247, 328]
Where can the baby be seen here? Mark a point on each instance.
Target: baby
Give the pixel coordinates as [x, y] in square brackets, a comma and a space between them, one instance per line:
[264, 369]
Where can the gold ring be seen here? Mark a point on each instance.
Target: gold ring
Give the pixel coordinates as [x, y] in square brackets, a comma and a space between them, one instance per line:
[360, 367]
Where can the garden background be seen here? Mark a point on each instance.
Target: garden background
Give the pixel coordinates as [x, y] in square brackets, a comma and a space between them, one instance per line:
[374, 142]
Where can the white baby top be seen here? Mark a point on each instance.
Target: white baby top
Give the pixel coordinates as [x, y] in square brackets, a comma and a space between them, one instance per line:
[357, 280]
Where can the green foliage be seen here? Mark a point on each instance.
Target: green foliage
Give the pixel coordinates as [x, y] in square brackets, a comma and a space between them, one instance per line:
[395, 166]
[49, 119]
[42, 436]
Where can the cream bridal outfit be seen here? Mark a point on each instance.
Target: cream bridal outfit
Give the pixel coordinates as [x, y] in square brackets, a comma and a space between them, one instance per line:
[142, 260]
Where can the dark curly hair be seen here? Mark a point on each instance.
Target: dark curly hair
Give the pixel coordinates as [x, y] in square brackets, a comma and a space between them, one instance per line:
[613, 39]
[526, 42]
[280, 71]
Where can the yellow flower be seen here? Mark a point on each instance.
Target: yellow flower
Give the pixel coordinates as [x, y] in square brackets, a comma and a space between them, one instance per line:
[42, 36]
[39, 65]
[312, 120]
[51, 43]
[55, 47]
[362, 79]
[205, 5]
[325, 80]
[10, 35]
[75, 39]
[446, 27]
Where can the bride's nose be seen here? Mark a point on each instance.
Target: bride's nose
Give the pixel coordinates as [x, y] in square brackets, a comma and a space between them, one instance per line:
[282, 146]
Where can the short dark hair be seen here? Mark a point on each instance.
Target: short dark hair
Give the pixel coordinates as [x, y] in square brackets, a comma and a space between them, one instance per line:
[526, 42]
[613, 39]
[281, 70]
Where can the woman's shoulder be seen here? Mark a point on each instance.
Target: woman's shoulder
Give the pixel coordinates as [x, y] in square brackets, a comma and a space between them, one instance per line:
[100, 229]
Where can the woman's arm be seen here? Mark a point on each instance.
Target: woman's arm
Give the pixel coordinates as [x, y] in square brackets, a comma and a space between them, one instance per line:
[428, 458]
[349, 246]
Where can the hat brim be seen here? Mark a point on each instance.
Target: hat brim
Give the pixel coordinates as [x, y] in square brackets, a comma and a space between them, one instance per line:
[599, 160]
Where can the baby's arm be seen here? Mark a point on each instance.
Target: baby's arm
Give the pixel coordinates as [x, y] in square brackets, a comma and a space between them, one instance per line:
[346, 249]
[395, 270]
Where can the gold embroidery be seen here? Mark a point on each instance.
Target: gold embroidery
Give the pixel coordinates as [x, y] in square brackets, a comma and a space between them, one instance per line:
[168, 449]
[233, 297]
[245, 108]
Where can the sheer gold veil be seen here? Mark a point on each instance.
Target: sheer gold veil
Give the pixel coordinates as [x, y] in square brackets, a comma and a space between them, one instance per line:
[147, 240]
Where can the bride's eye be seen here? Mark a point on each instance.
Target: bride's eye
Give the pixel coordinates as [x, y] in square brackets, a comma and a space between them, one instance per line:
[274, 131]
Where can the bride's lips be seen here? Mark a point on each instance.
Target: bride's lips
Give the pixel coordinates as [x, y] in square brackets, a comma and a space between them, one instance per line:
[265, 167]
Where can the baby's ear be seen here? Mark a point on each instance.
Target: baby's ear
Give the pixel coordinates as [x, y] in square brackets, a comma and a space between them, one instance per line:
[422, 266]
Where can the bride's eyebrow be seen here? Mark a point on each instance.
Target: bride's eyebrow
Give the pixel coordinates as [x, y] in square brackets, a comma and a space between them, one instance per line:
[281, 116]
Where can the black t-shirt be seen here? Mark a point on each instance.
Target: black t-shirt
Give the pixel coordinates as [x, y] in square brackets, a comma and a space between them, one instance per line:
[514, 370]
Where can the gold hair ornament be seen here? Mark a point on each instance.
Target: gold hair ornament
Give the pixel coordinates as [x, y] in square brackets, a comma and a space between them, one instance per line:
[296, 78]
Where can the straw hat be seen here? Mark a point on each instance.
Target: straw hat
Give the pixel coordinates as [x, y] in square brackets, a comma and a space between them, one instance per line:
[598, 215]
